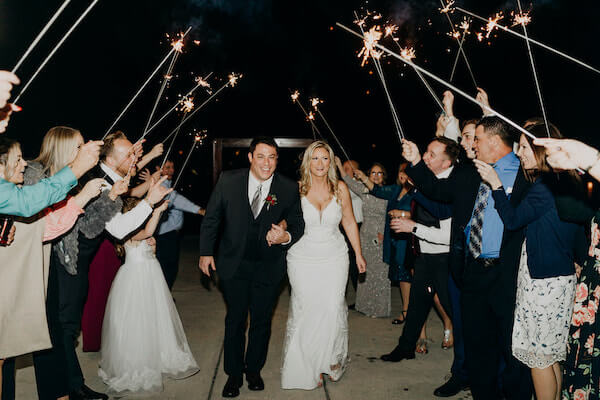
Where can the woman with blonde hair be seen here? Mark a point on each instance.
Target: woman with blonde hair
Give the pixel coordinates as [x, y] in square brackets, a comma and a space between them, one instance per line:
[317, 330]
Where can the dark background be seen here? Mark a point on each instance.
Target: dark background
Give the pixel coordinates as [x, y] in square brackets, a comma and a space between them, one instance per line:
[282, 45]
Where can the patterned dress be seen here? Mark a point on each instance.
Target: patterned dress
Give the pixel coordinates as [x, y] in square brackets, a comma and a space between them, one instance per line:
[582, 367]
[373, 296]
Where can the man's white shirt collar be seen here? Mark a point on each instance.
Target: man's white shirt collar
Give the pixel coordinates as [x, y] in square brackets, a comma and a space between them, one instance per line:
[445, 173]
[110, 173]
[253, 183]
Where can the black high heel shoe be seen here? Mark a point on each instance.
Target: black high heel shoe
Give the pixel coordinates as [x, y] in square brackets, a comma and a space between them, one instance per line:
[398, 321]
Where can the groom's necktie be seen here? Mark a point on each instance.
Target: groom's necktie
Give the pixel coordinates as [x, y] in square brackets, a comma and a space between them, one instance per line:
[255, 205]
[476, 235]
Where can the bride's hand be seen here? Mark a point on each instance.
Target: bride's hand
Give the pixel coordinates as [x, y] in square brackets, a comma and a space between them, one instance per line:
[361, 263]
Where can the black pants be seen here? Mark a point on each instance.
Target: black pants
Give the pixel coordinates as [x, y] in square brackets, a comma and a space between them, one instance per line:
[431, 276]
[488, 300]
[167, 253]
[249, 290]
[50, 364]
[72, 295]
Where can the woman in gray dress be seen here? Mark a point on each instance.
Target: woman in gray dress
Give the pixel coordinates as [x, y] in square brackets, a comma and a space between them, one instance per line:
[373, 296]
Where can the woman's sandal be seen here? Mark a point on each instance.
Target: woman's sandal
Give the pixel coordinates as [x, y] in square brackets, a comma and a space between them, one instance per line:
[398, 321]
[448, 341]
[422, 346]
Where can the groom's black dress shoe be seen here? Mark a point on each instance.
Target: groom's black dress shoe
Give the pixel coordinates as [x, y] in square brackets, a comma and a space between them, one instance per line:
[451, 388]
[398, 355]
[85, 393]
[255, 382]
[232, 387]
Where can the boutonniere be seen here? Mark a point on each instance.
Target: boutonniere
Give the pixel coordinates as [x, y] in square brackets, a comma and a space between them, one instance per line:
[271, 200]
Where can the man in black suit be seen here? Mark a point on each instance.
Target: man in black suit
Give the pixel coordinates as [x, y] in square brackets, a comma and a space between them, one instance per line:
[247, 205]
[484, 257]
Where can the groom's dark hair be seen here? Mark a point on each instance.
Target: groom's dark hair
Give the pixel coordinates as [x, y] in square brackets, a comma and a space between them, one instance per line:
[269, 141]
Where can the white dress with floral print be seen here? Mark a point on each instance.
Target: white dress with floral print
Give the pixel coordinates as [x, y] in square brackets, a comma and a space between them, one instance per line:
[542, 317]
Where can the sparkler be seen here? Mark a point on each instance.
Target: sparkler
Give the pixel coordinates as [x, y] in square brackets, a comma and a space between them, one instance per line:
[177, 45]
[198, 139]
[294, 97]
[521, 18]
[315, 103]
[370, 41]
[460, 43]
[535, 76]
[506, 29]
[55, 49]
[40, 35]
[447, 8]
[164, 60]
[443, 82]
[465, 28]
[180, 103]
[492, 23]
[233, 78]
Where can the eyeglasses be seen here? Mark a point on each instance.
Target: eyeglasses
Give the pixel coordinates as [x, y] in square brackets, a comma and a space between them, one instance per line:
[376, 173]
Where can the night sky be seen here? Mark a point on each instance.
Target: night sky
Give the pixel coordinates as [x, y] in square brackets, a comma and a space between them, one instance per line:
[283, 45]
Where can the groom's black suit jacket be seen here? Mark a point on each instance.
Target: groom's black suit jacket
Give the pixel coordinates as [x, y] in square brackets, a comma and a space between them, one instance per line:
[229, 218]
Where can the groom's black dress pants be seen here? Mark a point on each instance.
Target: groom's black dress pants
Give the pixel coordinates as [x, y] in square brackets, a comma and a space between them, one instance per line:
[250, 290]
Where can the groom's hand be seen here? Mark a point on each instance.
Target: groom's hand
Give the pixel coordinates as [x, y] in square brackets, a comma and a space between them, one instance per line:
[207, 262]
[277, 235]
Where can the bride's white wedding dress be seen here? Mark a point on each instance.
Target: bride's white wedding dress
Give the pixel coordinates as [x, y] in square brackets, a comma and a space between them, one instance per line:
[317, 329]
[142, 335]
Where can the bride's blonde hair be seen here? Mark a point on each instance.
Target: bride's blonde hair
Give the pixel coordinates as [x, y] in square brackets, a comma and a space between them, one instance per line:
[305, 175]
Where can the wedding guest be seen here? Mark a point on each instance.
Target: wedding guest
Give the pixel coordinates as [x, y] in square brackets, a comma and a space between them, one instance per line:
[106, 263]
[399, 199]
[581, 378]
[488, 275]
[431, 264]
[29, 200]
[349, 167]
[373, 296]
[7, 80]
[29, 292]
[80, 245]
[142, 335]
[167, 236]
[546, 277]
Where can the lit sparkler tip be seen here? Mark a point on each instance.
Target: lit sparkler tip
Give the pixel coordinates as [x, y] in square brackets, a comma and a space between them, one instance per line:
[295, 95]
[480, 36]
[492, 23]
[199, 137]
[370, 39]
[233, 78]
[465, 25]
[408, 53]
[178, 45]
[197, 42]
[521, 19]
[390, 30]
[448, 8]
[315, 101]
[311, 116]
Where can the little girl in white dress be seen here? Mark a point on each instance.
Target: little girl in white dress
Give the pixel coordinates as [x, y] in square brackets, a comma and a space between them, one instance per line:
[142, 335]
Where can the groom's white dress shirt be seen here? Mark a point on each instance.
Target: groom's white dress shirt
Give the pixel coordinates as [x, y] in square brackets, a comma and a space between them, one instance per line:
[123, 224]
[264, 193]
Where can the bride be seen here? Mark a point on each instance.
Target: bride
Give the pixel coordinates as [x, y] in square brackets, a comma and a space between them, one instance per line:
[316, 340]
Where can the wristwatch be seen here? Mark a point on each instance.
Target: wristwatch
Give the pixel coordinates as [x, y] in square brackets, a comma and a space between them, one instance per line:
[414, 229]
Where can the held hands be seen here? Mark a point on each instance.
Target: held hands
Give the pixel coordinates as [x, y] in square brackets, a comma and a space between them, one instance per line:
[89, 191]
[277, 235]
[361, 264]
[340, 166]
[410, 152]
[163, 206]
[156, 151]
[7, 80]
[448, 102]
[399, 214]
[360, 175]
[119, 188]
[151, 241]
[144, 175]
[402, 225]
[488, 174]
[482, 98]
[86, 158]
[441, 124]
[568, 153]
[157, 192]
[207, 263]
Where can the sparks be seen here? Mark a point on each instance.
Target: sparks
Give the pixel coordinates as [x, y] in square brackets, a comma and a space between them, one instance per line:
[492, 23]
[186, 104]
[370, 39]
[448, 8]
[315, 101]
[455, 34]
[310, 116]
[178, 45]
[408, 53]
[197, 42]
[233, 78]
[201, 82]
[465, 25]
[295, 95]
[390, 30]
[521, 19]
[480, 36]
[200, 136]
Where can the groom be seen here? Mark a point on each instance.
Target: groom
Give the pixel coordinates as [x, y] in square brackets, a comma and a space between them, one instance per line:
[246, 205]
